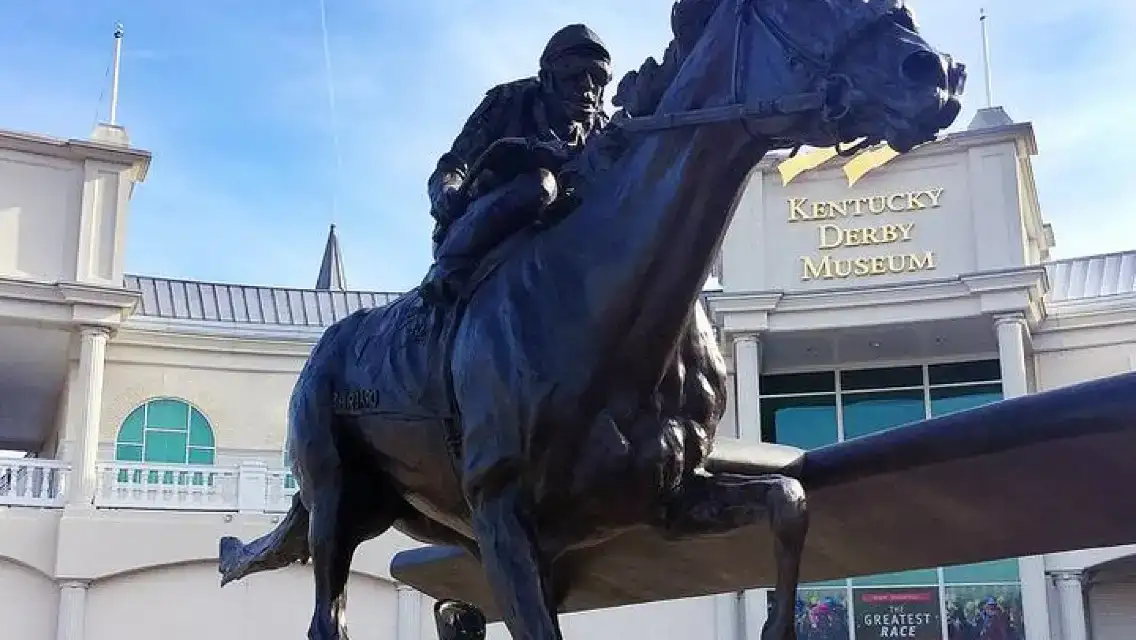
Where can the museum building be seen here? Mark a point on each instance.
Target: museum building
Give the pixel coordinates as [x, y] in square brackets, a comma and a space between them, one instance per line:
[852, 298]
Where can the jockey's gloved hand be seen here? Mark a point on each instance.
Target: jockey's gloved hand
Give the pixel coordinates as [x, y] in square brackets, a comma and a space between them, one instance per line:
[550, 154]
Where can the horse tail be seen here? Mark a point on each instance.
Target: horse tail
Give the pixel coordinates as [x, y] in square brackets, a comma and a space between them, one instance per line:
[284, 545]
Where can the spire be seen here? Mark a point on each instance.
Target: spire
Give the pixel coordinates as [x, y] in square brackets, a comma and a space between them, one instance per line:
[331, 268]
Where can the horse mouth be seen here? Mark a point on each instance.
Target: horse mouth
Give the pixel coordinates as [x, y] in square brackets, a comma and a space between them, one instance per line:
[905, 138]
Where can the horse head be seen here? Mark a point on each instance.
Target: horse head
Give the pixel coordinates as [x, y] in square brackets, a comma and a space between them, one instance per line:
[814, 72]
[877, 78]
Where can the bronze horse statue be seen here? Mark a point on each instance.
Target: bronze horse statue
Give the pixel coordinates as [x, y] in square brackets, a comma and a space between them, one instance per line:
[574, 392]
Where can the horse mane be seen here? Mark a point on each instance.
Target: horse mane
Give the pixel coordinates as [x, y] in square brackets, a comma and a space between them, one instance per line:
[639, 92]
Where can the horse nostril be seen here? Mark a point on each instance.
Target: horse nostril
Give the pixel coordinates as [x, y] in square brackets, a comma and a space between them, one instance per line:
[925, 68]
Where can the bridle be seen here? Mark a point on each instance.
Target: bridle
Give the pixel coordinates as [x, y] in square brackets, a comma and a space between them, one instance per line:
[818, 101]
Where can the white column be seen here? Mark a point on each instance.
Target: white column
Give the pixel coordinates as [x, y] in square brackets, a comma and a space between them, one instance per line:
[92, 356]
[72, 615]
[747, 372]
[409, 613]
[1071, 598]
[1012, 331]
[751, 605]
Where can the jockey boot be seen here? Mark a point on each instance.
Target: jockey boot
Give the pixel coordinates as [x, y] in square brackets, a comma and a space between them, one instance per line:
[488, 221]
[458, 621]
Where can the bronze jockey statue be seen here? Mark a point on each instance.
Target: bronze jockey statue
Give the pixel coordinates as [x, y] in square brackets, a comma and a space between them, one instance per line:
[559, 110]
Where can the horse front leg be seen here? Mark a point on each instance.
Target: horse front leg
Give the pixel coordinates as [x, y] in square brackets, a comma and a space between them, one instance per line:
[712, 504]
[511, 556]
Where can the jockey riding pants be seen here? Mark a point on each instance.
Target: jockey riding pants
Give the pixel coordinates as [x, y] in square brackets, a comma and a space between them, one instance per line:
[491, 218]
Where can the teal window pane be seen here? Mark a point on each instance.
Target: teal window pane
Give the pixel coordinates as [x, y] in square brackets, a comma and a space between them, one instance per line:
[165, 413]
[825, 584]
[165, 446]
[982, 572]
[866, 413]
[200, 456]
[128, 452]
[289, 481]
[952, 399]
[960, 372]
[807, 422]
[885, 378]
[131, 428]
[798, 383]
[200, 433]
[916, 577]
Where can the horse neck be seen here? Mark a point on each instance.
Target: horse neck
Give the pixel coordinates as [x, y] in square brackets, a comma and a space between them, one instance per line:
[646, 233]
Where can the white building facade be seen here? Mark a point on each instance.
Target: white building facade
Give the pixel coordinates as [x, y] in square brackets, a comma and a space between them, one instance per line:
[153, 409]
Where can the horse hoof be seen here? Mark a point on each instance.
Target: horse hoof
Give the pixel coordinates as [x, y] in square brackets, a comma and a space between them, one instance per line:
[229, 551]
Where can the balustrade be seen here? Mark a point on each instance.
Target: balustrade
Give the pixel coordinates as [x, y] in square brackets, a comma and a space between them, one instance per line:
[32, 482]
[248, 488]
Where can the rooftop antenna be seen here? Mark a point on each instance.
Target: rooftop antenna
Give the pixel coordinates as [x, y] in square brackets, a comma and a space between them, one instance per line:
[114, 73]
[986, 59]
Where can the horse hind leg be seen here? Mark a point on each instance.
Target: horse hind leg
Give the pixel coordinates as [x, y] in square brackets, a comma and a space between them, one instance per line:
[712, 504]
[284, 545]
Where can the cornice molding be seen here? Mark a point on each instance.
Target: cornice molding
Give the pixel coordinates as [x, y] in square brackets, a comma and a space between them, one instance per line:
[74, 303]
[217, 344]
[76, 150]
[306, 334]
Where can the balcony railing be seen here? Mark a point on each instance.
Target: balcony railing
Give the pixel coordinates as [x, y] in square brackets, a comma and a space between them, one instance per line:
[32, 482]
[250, 487]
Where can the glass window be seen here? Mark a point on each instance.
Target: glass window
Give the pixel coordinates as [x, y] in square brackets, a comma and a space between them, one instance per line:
[866, 413]
[961, 372]
[801, 421]
[981, 600]
[903, 578]
[982, 572]
[797, 383]
[167, 414]
[132, 426]
[946, 400]
[165, 430]
[888, 378]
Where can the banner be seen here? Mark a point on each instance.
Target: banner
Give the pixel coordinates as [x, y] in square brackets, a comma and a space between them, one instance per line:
[909, 613]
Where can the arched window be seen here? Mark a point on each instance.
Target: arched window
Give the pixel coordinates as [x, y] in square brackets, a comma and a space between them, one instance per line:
[165, 430]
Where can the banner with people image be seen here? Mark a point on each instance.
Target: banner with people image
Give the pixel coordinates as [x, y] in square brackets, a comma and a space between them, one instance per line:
[992, 612]
[821, 614]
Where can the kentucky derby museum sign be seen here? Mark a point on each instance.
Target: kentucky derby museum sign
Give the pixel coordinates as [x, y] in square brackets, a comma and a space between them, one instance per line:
[887, 222]
[932, 215]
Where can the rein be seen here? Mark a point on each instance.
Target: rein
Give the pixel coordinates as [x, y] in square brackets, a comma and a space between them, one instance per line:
[816, 101]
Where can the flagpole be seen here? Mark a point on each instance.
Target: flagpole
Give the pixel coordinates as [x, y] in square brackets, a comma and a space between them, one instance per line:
[986, 59]
[114, 77]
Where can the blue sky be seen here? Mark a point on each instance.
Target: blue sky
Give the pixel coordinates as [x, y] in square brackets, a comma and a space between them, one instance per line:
[231, 97]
